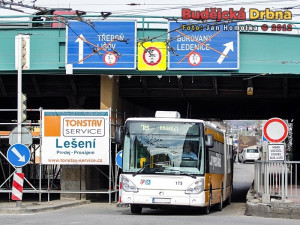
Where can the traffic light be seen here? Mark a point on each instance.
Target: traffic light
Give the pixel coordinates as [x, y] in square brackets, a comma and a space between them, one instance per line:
[24, 107]
[24, 51]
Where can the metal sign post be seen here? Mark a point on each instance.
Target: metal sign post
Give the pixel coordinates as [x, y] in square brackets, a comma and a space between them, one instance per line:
[22, 60]
[19, 169]
[275, 131]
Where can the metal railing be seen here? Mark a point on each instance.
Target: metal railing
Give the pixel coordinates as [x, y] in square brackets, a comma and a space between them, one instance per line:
[278, 179]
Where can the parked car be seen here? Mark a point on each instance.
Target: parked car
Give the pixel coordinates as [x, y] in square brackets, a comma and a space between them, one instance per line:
[250, 153]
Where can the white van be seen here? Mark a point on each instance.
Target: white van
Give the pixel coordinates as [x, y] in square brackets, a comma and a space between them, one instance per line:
[250, 153]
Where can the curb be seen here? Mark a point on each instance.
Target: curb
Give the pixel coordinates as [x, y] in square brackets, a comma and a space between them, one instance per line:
[43, 208]
[274, 209]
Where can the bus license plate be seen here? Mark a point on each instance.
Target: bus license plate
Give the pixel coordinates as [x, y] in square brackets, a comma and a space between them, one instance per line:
[161, 200]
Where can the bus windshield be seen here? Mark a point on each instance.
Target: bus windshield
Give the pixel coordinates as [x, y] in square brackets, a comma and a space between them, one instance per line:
[163, 148]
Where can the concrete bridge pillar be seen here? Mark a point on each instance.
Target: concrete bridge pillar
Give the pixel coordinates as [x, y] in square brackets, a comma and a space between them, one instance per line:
[73, 179]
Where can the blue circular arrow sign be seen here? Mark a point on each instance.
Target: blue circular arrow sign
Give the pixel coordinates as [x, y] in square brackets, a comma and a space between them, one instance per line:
[119, 158]
[18, 155]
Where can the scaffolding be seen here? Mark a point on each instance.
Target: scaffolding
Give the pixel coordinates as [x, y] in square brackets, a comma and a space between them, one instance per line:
[46, 179]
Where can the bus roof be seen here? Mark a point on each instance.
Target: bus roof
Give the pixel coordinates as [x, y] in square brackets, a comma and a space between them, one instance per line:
[153, 119]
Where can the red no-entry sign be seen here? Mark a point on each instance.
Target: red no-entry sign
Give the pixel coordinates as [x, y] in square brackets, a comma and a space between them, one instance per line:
[275, 130]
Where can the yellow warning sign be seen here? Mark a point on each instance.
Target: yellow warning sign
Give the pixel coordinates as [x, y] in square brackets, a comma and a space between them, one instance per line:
[250, 91]
[152, 56]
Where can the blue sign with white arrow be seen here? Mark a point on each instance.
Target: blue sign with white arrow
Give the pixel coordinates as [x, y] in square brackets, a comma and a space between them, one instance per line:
[18, 155]
[119, 158]
[101, 45]
[203, 46]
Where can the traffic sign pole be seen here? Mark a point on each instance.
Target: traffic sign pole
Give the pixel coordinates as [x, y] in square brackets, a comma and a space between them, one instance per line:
[22, 57]
[19, 169]
[275, 131]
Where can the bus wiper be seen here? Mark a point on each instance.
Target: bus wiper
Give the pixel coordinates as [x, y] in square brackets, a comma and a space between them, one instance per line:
[140, 170]
[184, 173]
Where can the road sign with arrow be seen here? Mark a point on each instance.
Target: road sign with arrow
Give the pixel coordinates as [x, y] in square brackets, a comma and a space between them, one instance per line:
[203, 46]
[101, 45]
[18, 155]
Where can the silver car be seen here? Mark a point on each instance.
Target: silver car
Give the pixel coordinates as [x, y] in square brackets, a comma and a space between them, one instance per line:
[251, 153]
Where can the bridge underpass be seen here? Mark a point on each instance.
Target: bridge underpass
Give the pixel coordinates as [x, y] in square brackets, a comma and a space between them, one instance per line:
[218, 98]
[199, 96]
[215, 97]
[206, 97]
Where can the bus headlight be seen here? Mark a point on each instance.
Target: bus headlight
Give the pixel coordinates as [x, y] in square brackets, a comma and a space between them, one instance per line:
[127, 185]
[195, 188]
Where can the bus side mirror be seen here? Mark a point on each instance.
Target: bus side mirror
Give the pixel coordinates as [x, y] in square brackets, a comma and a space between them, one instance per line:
[209, 140]
[119, 134]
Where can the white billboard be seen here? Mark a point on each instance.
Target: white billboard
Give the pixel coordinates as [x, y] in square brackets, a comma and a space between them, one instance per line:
[77, 137]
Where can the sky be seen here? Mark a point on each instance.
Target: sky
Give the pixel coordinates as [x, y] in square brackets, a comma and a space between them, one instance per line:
[151, 7]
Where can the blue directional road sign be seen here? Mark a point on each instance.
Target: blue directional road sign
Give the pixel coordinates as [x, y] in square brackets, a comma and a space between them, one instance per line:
[101, 45]
[264, 138]
[119, 158]
[198, 46]
[18, 155]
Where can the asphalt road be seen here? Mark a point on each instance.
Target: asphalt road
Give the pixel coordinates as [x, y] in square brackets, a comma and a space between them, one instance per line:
[243, 175]
[103, 213]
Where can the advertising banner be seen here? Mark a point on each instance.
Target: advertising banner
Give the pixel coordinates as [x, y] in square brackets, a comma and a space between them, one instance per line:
[246, 141]
[78, 137]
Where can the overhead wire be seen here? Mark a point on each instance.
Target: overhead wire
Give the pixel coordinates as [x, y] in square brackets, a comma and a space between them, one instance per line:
[216, 3]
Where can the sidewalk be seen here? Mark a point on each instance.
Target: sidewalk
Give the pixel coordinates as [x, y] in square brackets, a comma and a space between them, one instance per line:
[289, 209]
[33, 207]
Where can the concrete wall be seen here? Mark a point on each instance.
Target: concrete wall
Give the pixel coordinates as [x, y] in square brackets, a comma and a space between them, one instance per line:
[73, 179]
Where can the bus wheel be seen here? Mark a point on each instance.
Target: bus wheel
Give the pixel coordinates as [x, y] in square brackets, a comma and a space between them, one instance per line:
[206, 209]
[135, 209]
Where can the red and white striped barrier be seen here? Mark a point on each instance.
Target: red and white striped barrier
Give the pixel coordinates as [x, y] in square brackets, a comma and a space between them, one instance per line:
[17, 190]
